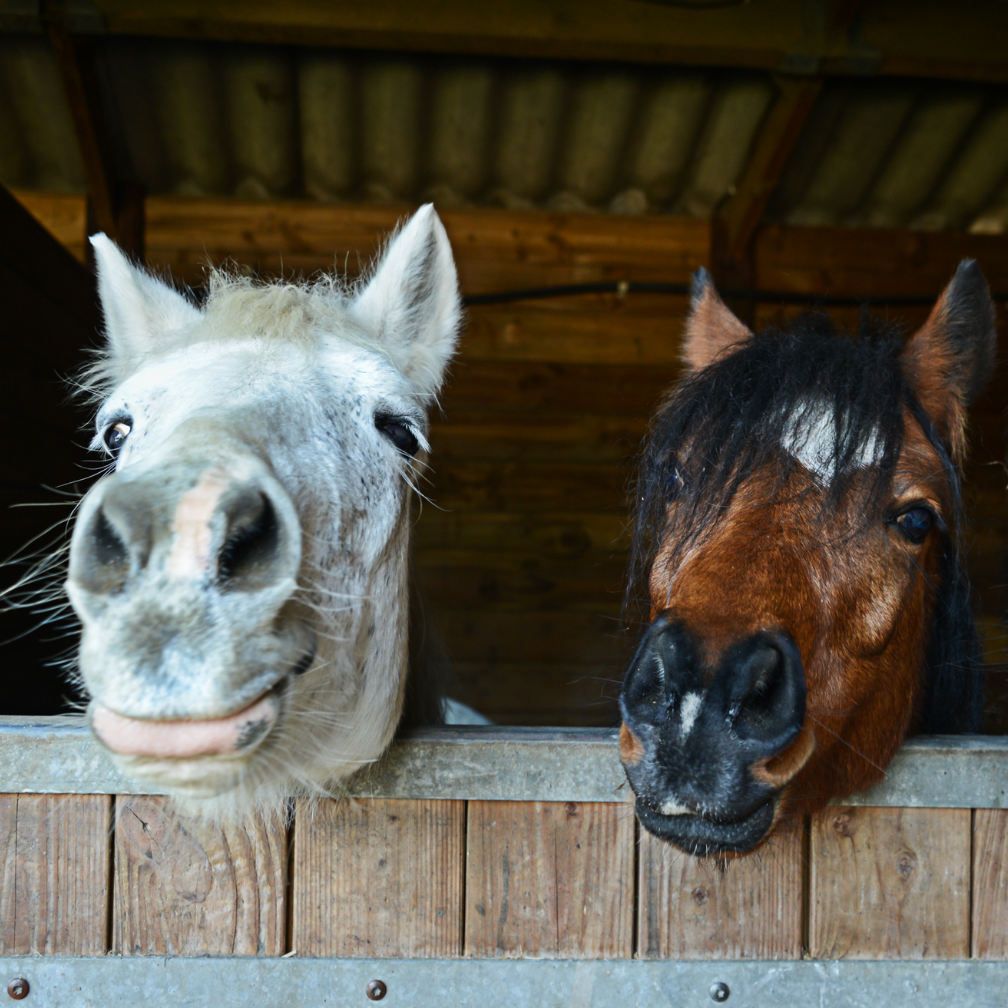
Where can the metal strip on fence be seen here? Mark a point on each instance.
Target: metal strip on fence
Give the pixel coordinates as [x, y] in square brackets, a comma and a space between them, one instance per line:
[115, 982]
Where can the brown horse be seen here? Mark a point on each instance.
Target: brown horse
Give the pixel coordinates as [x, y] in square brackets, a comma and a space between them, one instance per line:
[795, 531]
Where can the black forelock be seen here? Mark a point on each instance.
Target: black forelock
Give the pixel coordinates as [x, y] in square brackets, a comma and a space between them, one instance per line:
[721, 424]
[727, 421]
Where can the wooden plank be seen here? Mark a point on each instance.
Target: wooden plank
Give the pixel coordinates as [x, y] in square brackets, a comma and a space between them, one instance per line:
[896, 37]
[188, 888]
[540, 692]
[523, 583]
[990, 884]
[559, 535]
[777, 135]
[63, 215]
[547, 637]
[577, 437]
[697, 908]
[54, 888]
[92, 137]
[522, 387]
[501, 249]
[378, 878]
[532, 334]
[8, 870]
[549, 880]
[889, 883]
[495, 249]
[471, 484]
[872, 262]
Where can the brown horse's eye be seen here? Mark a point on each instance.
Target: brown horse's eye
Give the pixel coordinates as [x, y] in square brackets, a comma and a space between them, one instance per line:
[115, 437]
[916, 523]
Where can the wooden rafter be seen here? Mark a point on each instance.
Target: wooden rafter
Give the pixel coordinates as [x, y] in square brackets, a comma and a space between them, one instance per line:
[776, 139]
[113, 206]
[903, 37]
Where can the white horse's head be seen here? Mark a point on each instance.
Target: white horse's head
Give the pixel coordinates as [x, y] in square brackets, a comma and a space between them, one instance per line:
[242, 575]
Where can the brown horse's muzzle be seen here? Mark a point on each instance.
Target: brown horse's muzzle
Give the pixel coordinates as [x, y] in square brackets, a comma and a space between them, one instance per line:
[699, 733]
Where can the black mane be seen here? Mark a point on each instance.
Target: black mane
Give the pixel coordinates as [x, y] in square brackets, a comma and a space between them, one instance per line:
[734, 415]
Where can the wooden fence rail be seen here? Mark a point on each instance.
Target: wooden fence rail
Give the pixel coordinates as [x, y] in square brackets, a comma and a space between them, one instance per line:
[487, 843]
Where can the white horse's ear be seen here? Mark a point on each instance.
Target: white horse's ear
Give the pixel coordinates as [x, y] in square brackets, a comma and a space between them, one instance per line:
[411, 304]
[139, 309]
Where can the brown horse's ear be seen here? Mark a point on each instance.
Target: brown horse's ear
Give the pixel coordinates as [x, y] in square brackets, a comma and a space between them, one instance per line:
[950, 357]
[710, 327]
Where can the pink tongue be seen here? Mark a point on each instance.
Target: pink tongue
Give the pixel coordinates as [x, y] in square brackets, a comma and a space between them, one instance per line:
[178, 739]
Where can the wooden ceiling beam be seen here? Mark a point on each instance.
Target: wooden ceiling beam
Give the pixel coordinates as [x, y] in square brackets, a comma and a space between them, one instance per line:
[742, 212]
[921, 38]
[113, 206]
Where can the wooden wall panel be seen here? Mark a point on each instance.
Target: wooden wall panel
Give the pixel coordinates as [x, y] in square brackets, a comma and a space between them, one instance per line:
[188, 888]
[890, 884]
[544, 408]
[990, 884]
[54, 876]
[549, 880]
[495, 249]
[697, 908]
[378, 878]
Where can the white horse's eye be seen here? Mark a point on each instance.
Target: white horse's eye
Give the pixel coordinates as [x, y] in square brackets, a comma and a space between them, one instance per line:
[400, 435]
[115, 437]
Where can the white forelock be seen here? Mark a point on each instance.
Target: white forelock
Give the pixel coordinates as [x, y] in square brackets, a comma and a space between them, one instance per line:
[810, 437]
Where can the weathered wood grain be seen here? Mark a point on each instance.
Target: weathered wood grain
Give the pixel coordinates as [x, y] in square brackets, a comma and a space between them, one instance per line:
[495, 249]
[567, 437]
[872, 261]
[564, 638]
[8, 869]
[591, 337]
[190, 888]
[694, 908]
[549, 880]
[990, 884]
[473, 484]
[64, 216]
[890, 884]
[54, 886]
[378, 878]
[517, 584]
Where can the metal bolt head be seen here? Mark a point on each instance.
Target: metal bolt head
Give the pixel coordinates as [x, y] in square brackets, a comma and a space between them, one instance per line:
[17, 988]
[376, 990]
[719, 991]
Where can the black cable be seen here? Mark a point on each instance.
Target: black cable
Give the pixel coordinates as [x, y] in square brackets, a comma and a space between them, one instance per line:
[623, 287]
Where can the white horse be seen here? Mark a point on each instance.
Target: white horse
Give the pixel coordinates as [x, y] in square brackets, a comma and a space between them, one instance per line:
[242, 574]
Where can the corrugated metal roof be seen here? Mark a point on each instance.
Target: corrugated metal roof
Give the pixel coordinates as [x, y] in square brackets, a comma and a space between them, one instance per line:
[277, 121]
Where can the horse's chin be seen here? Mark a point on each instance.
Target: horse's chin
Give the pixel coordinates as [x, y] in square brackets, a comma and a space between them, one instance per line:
[703, 836]
[190, 758]
[189, 779]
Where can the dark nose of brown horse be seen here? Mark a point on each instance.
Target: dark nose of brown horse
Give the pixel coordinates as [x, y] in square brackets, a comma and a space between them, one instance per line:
[706, 723]
[230, 535]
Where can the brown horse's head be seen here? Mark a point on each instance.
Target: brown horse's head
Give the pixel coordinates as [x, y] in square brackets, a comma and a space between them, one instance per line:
[794, 529]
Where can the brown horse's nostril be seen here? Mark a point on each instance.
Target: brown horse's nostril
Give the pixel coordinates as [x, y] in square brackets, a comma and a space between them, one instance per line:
[766, 691]
[252, 544]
